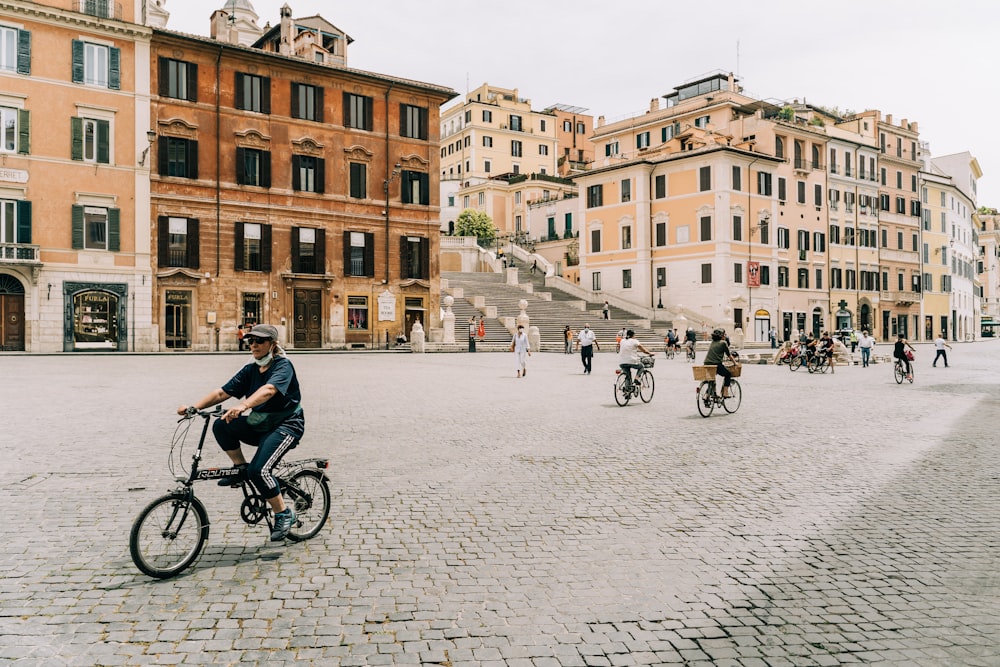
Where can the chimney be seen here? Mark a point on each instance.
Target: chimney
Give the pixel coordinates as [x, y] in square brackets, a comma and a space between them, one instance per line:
[903, 124]
[913, 126]
[219, 26]
[654, 104]
[888, 119]
[285, 46]
[600, 121]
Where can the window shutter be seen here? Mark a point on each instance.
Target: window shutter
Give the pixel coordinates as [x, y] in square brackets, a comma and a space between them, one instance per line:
[193, 245]
[320, 175]
[265, 248]
[77, 61]
[319, 104]
[425, 189]
[76, 143]
[192, 82]
[347, 109]
[320, 251]
[423, 124]
[404, 257]
[369, 255]
[239, 91]
[265, 94]
[296, 259]
[162, 156]
[241, 168]
[114, 229]
[23, 52]
[265, 169]
[114, 68]
[192, 158]
[402, 119]
[77, 227]
[238, 249]
[295, 100]
[23, 221]
[368, 117]
[296, 177]
[164, 74]
[425, 259]
[23, 131]
[163, 241]
[104, 141]
[347, 253]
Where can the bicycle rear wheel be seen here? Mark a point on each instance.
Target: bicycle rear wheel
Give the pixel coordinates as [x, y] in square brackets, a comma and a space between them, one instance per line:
[897, 372]
[706, 398]
[168, 535]
[308, 494]
[622, 394]
[646, 387]
[732, 402]
[795, 364]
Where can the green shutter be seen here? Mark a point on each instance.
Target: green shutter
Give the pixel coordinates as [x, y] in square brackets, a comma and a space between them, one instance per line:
[193, 245]
[23, 131]
[104, 141]
[23, 52]
[192, 82]
[77, 61]
[265, 94]
[163, 241]
[241, 167]
[238, 249]
[77, 227]
[265, 169]
[23, 221]
[239, 91]
[296, 178]
[319, 105]
[265, 248]
[76, 145]
[114, 68]
[320, 175]
[114, 229]
[192, 158]
[296, 258]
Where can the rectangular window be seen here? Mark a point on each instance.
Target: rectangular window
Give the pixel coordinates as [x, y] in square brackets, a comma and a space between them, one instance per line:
[595, 240]
[415, 257]
[702, 121]
[359, 254]
[737, 178]
[900, 205]
[626, 238]
[899, 180]
[611, 149]
[883, 177]
[803, 279]
[765, 274]
[95, 64]
[819, 278]
[765, 236]
[704, 179]
[357, 313]
[178, 157]
[307, 102]
[9, 128]
[660, 185]
[307, 256]
[516, 148]
[738, 272]
[626, 190]
[487, 142]
[515, 123]
[706, 274]
[487, 116]
[487, 166]
[308, 173]
[705, 225]
[413, 122]
[358, 112]
[178, 79]
[642, 140]
[595, 196]
[568, 226]
[802, 240]
[661, 234]
[737, 228]
[782, 189]
[783, 238]
[801, 190]
[782, 276]
[595, 281]
[819, 241]
[91, 140]
[252, 247]
[551, 224]
[415, 187]
[359, 180]
[253, 93]
[818, 195]
[885, 238]
[543, 149]
[253, 167]
[626, 278]
[851, 279]
[835, 234]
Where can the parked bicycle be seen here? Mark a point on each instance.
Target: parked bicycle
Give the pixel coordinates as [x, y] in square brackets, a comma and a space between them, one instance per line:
[709, 398]
[641, 385]
[170, 533]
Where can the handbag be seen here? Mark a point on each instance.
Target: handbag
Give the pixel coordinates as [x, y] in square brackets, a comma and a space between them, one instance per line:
[909, 355]
[265, 422]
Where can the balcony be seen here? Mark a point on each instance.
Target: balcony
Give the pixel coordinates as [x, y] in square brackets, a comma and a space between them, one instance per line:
[19, 253]
[801, 164]
[900, 298]
[102, 9]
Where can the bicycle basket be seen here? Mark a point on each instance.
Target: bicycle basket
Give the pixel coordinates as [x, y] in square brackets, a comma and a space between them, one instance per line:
[735, 369]
[647, 361]
[703, 373]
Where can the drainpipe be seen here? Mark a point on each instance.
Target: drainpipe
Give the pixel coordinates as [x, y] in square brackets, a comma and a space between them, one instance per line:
[388, 179]
[218, 161]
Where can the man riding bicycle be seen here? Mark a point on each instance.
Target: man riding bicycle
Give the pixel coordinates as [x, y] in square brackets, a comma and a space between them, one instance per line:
[899, 352]
[275, 424]
[628, 355]
[718, 352]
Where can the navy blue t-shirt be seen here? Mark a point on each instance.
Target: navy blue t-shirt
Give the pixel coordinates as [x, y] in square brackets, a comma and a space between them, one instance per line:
[280, 373]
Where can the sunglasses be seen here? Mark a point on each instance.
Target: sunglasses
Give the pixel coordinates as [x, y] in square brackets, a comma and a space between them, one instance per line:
[252, 340]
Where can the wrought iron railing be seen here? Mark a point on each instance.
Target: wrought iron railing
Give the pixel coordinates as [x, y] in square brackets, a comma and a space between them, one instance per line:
[103, 9]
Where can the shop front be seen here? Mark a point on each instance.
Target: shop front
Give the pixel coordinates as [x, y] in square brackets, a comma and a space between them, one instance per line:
[95, 317]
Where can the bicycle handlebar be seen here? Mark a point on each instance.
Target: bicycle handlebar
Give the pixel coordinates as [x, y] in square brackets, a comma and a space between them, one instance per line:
[191, 412]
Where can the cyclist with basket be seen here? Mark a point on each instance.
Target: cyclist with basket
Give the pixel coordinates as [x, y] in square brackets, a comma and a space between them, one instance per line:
[718, 352]
[270, 394]
[628, 355]
[900, 352]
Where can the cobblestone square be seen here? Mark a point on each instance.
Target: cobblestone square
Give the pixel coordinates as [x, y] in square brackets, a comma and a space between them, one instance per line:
[480, 519]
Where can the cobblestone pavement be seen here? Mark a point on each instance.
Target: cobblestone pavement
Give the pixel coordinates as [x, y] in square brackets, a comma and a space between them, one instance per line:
[480, 519]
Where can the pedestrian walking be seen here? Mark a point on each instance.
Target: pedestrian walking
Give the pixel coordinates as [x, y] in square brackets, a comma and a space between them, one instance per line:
[522, 350]
[534, 266]
[585, 342]
[481, 332]
[618, 339]
[939, 346]
[606, 310]
[568, 336]
[240, 333]
[472, 334]
[772, 335]
[854, 340]
[867, 344]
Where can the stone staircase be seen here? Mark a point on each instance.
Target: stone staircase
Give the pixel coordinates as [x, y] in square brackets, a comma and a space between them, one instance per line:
[549, 309]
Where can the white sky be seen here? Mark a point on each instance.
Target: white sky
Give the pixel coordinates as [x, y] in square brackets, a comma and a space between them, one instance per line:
[929, 62]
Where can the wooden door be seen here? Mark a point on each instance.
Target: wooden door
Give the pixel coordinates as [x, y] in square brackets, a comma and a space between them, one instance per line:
[308, 318]
[12, 326]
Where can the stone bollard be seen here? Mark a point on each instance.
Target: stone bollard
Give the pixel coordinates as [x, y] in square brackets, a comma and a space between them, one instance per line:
[512, 276]
[534, 339]
[522, 317]
[417, 337]
[448, 321]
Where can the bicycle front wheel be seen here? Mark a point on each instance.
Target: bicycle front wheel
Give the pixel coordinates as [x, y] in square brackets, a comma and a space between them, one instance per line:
[897, 372]
[706, 398]
[168, 535]
[308, 494]
[732, 402]
[622, 393]
[795, 364]
[646, 386]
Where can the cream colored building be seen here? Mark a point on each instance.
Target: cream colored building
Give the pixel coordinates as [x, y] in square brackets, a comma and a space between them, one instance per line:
[988, 266]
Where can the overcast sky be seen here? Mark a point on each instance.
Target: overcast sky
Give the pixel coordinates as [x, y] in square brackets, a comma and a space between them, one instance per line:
[930, 62]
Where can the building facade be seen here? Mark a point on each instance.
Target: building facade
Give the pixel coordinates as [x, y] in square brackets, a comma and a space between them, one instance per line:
[289, 189]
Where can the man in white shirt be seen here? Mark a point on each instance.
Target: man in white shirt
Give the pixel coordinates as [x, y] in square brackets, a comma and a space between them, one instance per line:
[866, 343]
[628, 354]
[939, 345]
[586, 342]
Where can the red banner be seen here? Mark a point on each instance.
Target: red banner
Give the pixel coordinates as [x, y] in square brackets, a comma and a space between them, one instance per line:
[753, 274]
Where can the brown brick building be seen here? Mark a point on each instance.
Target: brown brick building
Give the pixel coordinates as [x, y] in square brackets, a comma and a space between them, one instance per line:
[288, 188]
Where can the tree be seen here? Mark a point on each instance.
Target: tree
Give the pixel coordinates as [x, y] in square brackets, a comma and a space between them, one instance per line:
[471, 222]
